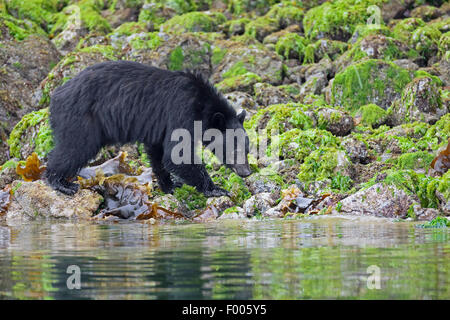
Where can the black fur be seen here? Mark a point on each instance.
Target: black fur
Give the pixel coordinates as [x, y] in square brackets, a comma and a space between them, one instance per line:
[124, 101]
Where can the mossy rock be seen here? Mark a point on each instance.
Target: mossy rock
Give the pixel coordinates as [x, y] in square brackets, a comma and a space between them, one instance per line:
[420, 101]
[371, 115]
[405, 27]
[242, 82]
[370, 81]
[194, 22]
[291, 46]
[324, 164]
[425, 41]
[286, 14]
[338, 19]
[31, 134]
[261, 27]
[84, 14]
[12, 28]
[260, 7]
[324, 48]
[40, 12]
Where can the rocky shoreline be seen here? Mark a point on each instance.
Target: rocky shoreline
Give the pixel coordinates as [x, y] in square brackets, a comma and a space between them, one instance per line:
[357, 93]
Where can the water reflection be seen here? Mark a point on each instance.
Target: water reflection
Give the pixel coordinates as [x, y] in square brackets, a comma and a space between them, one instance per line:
[318, 258]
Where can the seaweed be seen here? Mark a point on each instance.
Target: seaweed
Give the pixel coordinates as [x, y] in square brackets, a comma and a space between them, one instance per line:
[31, 169]
[441, 163]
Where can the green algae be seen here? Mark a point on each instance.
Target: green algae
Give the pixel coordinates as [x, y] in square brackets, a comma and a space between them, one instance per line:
[193, 22]
[19, 29]
[361, 83]
[42, 140]
[190, 197]
[372, 115]
[291, 45]
[230, 181]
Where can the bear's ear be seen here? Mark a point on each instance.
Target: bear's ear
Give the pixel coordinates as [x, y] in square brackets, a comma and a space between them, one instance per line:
[241, 116]
[218, 121]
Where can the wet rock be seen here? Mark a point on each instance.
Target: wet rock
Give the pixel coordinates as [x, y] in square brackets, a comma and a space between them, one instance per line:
[240, 59]
[169, 202]
[7, 176]
[259, 183]
[425, 214]
[220, 203]
[426, 12]
[370, 81]
[240, 100]
[394, 9]
[24, 65]
[379, 200]
[233, 213]
[420, 101]
[267, 94]
[406, 64]
[337, 122]
[178, 52]
[356, 150]
[35, 199]
[258, 204]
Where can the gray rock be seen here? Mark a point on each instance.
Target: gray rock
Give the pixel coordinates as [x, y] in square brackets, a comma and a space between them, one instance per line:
[35, 199]
[258, 204]
[379, 200]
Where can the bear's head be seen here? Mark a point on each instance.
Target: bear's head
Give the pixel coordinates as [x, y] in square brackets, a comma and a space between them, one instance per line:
[235, 143]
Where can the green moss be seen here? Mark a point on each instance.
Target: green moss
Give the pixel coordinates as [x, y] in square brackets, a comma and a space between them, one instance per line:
[414, 160]
[42, 140]
[231, 210]
[190, 197]
[233, 183]
[286, 14]
[372, 115]
[341, 182]
[291, 45]
[243, 81]
[86, 12]
[176, 59]
[241, 6]
[8, 164]
[362, 83]
[405, 27]
[194, 22]
[438, 222]
[337, 19]
[129, 28]
[421, 185]
[364, 30]
[39, 11]
[18, 29]
[217, 55]
[320, 165]
[106, 51]
[150, 41]
[236, 69]
[437, 135]
[425, 40]
[261, 27]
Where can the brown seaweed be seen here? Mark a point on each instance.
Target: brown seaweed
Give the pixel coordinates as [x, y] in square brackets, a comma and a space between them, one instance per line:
[32, 170]
[441, 163]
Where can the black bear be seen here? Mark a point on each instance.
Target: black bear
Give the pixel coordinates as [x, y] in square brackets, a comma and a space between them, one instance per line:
[124, 101]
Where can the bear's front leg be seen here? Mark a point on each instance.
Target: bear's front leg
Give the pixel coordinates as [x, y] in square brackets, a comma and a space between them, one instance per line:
[197, 176]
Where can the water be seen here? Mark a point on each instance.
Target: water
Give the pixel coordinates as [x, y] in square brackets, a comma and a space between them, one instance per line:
[298, 259]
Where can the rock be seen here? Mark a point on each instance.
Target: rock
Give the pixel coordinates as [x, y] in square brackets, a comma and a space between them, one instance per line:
[425, 214]
[169, 202]
[258, 204]
[394, 9]
[267, 94]
[259, 183]
[406, 64]
[240, 100]
[234, 213]
[379, 200]
[370, 81]
[426, 12]
[220, 204]
[337, 122]
[420, 101]
[7, 176]
[178, 52]
[35, 199]
[240, 59]
[356, 150]
[24, 65]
